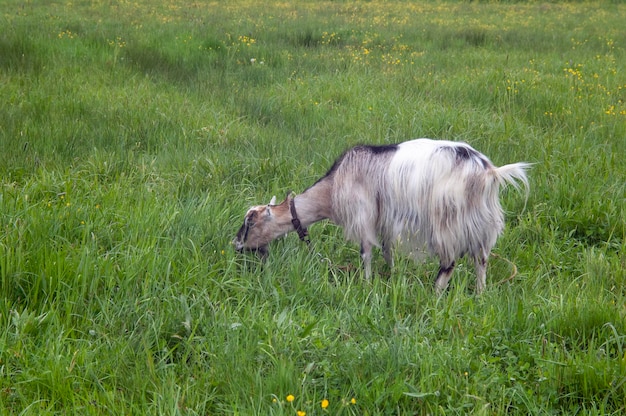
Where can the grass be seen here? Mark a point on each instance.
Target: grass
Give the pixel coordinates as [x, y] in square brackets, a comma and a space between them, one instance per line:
[136, 134]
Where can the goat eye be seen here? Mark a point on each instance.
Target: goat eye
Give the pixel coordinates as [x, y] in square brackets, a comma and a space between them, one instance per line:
[250, 219]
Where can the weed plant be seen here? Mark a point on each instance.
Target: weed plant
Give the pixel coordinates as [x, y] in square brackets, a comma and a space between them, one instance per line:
[136, 134]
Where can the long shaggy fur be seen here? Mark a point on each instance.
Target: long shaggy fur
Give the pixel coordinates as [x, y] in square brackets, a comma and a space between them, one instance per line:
[433, 197]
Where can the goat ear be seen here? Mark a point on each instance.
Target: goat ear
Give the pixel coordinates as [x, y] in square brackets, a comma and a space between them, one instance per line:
[288, 197]
[273, 200]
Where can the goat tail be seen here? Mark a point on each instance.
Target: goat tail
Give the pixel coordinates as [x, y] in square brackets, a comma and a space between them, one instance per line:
[513, 174]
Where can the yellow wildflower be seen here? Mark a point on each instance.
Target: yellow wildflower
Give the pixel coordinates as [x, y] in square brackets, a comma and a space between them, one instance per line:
[290, 398]
[324, 404]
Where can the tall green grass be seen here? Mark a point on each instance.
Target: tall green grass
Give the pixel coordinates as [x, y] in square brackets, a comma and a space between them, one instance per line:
[136, 134]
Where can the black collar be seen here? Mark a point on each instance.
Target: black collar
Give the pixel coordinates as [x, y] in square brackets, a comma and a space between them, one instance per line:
[302, 231]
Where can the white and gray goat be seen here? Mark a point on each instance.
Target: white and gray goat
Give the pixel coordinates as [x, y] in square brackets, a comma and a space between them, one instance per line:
[423, 196]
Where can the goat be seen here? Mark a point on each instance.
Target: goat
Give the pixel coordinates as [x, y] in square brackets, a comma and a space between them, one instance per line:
[424, 197]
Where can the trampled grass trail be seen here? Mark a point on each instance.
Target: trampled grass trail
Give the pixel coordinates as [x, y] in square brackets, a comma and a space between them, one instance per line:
[136, 134]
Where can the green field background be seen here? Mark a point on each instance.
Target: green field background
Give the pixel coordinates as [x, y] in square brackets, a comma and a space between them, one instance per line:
[134, 135]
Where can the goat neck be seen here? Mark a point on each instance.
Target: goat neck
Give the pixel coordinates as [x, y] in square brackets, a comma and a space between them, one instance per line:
[314, 204]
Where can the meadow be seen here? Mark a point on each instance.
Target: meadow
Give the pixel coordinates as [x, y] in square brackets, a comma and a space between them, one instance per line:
[135, 135]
